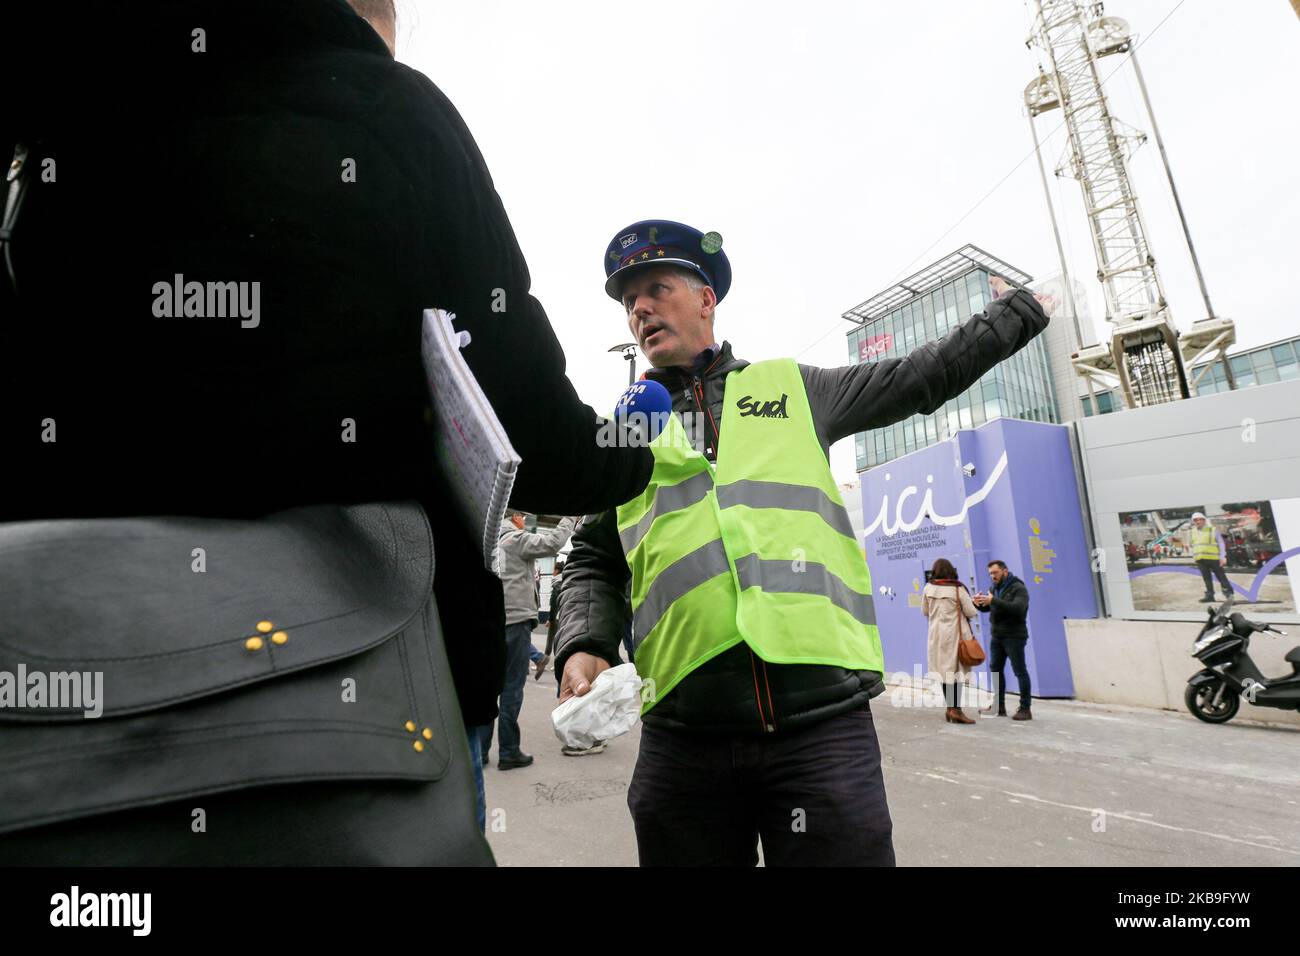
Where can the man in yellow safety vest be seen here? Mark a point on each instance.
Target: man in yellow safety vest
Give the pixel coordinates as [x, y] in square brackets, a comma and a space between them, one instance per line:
[751, 608]
[1210, 556]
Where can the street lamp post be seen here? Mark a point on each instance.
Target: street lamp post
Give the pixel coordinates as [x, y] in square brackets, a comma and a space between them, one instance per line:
[629, 352]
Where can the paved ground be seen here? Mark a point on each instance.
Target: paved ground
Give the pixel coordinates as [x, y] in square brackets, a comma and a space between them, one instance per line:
[1179, 591]
[1080, 785]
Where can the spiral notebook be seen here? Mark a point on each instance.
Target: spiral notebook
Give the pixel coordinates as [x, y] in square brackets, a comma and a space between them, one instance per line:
[472, 447]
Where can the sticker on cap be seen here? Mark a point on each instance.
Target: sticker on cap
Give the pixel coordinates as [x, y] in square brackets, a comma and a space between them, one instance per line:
[711, 242]
[628, 239]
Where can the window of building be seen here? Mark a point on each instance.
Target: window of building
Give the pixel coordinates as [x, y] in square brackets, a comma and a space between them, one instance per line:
[974, 294]
[951, 311]
[1242, 370]
[1289, 371]
[927, 313]
[992, 407]
[1265, 367]
[1285, 360]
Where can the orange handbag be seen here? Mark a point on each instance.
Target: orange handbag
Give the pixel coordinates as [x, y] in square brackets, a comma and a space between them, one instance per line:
[969, 652]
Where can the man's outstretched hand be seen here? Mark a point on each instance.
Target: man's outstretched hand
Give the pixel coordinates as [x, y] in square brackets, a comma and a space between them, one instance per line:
[579, 671]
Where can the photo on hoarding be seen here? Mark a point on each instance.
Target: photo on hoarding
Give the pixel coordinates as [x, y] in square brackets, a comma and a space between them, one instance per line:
[1180, 559]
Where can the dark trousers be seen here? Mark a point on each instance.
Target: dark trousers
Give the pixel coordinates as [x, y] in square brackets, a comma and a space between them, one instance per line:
[1000, 648]
[814, 797]
[476, 753]
[1211, 566]
[550, 635]
[519, 638]
[952, 694]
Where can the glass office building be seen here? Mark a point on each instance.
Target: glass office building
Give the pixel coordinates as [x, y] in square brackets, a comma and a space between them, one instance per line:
[1263, 365]
[924, 308]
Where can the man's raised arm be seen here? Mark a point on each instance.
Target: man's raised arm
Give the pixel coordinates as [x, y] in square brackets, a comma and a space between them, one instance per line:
[874, 394]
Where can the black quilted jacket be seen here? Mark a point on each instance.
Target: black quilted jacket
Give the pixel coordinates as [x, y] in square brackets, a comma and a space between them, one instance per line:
[737, 691]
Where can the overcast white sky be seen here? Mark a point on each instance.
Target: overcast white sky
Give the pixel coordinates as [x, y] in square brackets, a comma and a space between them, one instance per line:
[833, 143]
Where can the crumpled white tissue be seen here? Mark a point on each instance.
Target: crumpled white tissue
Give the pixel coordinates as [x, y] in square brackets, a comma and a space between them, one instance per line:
[610, 708]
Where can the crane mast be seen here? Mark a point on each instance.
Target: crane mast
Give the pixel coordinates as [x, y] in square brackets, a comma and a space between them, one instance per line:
[1146, 353]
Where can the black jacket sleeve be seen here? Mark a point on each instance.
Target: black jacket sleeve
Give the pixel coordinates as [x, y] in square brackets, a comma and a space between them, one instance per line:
[874, 394]
[594, 607]
[470, 246]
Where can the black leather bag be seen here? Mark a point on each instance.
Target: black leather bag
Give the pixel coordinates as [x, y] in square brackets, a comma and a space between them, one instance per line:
[290, 703]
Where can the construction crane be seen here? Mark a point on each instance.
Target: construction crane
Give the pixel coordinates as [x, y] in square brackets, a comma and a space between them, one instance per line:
[1147, 354]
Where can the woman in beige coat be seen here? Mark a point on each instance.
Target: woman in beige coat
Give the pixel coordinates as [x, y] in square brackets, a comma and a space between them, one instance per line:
[948, 607]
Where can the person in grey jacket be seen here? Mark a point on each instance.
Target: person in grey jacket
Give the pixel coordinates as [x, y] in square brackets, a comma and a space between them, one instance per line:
[683, 793]
[518, 550]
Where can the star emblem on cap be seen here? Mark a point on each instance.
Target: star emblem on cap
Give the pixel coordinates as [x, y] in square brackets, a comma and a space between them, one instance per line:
[660, 252]
[645, 255]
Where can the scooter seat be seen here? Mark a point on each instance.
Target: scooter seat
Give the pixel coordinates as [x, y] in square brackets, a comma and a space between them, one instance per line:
[1293, 656]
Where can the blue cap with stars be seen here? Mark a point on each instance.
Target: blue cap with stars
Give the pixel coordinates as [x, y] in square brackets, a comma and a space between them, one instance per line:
[662, 242]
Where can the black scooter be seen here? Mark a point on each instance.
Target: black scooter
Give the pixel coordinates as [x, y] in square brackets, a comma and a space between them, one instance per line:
[1214, 694]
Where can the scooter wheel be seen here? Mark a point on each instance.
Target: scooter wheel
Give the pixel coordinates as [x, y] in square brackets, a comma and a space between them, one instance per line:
[1200, 701]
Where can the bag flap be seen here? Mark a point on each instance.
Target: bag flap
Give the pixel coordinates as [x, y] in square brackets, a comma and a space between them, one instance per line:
[168, 609]
[359, 690]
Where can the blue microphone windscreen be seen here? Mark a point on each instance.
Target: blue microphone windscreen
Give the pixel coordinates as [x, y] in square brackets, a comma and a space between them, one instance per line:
[645, 405]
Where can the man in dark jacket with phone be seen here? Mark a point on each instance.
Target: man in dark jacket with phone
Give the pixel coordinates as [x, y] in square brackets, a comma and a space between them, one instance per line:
[1007, 606]
[742, 747]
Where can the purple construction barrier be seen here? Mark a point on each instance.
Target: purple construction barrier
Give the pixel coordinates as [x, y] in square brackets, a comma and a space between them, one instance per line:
[1005, 490]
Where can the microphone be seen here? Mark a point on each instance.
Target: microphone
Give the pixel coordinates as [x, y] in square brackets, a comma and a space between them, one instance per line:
[644, 407]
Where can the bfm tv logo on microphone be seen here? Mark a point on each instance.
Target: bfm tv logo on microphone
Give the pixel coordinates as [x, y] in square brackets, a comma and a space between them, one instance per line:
[751, 407]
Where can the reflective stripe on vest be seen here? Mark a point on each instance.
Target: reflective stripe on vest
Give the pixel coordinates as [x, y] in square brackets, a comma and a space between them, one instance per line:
[1204, 545]
[760, 549]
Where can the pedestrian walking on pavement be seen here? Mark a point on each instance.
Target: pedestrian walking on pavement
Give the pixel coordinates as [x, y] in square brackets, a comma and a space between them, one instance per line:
[948, 608]
[519, 549]
[1007, 606]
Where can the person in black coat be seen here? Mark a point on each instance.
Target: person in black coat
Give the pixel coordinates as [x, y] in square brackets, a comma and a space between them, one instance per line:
[1007, 606]
[277, 145]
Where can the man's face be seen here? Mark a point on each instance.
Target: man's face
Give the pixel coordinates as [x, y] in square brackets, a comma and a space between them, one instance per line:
[997, 573]
[670, 322]
[1199, 522]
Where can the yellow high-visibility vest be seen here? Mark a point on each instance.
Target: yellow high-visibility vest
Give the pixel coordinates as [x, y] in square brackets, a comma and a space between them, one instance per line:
[758, 548]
